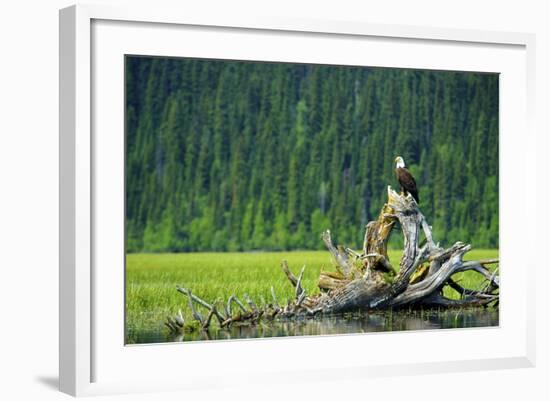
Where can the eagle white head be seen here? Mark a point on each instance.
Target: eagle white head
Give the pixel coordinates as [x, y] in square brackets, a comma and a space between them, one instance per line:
[399, 162]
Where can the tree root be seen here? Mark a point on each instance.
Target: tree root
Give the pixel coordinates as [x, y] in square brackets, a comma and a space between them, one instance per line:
[368, 281]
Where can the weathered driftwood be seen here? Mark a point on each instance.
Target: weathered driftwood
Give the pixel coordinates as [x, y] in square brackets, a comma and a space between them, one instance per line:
[367, 280]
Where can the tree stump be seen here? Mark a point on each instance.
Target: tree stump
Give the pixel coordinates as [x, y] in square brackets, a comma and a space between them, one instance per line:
[367, 281]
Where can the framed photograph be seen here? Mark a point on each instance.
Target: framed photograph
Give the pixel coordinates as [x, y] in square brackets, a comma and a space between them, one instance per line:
[233, 192]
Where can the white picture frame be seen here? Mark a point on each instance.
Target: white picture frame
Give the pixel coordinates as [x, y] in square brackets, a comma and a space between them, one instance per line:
[93, 361]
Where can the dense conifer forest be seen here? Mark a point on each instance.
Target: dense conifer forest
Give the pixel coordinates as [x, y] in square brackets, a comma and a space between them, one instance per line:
[233, 156]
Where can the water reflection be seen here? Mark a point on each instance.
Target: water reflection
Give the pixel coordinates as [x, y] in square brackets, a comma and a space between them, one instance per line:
[330, 325]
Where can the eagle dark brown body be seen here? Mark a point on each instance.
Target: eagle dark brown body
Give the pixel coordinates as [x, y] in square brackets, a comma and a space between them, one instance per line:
[406, 180]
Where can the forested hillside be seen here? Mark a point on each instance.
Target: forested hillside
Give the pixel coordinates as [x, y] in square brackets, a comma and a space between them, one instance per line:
[244, 156]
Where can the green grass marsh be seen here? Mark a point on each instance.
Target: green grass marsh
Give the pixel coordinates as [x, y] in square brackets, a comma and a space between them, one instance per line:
[151, 279]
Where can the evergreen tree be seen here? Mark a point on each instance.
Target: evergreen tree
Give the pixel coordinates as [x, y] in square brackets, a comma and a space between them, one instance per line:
[230, 155]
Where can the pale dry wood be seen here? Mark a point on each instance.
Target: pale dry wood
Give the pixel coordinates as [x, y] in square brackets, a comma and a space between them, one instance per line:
[331, 280]
[338, 255]
[291, 277]
[250, 303]
[299, 289]
[196, 299]
[366, 281]
[196, 314]
[275, 301]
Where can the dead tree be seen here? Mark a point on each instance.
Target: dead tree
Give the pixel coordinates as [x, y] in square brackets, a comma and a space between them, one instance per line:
[367, 280]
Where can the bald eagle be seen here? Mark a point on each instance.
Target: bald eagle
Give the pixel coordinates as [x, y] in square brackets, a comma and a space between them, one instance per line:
[405, 178]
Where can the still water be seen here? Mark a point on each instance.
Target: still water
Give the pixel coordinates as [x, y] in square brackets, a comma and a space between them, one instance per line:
[329, 325]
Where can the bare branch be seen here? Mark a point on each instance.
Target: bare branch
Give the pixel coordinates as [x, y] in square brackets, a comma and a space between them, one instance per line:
[236, 300]
[250, 303]
[194, 297]
[291, 277]
[196, 314]
[299, 289]
[275, 302]
[339, 257]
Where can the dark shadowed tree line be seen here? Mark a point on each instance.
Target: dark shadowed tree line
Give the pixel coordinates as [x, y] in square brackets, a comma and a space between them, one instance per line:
[243, 155]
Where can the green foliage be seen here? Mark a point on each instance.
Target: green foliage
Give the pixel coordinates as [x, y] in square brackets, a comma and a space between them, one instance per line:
[228, 155]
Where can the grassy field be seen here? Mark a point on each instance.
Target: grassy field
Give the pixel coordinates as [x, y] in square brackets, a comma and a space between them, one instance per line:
[151, 279]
